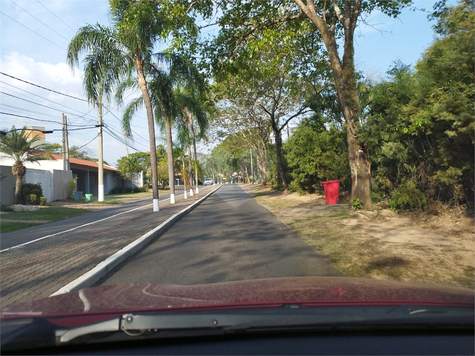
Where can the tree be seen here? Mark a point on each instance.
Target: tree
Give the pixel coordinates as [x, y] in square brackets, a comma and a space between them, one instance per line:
[127, 166]
[316, 153]
[335, 22]
[418, 124]
[99, 77]
[53, 148]
[20, 146]
[128, 47]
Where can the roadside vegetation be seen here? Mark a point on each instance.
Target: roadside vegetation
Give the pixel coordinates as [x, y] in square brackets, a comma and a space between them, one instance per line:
[415, 126]
[381, 244]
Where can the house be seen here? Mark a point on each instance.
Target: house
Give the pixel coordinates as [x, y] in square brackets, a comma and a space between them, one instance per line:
[86, 174]
[54, 179]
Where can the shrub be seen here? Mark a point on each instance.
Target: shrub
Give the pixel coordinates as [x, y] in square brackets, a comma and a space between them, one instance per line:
[6, 208]
[356, 203]
[70, 187]
[136, 190]
[33, 198]
[407, 197]
[43, 201]
[144, 189]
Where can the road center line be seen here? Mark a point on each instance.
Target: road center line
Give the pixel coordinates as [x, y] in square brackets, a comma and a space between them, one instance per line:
[77, 227]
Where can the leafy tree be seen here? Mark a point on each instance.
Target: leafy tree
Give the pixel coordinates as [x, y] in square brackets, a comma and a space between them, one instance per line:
[443, 108]
[21, 147]
[316, 153]
[419, 124]
[332, 22]
[53, 148]
[127, 166]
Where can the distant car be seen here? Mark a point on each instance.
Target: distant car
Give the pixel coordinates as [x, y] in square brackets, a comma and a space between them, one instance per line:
[208, 181]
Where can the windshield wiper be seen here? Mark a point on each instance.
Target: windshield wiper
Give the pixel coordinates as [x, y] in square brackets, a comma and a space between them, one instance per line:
[135, 324]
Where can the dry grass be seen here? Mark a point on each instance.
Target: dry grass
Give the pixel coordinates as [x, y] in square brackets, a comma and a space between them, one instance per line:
[380, 244]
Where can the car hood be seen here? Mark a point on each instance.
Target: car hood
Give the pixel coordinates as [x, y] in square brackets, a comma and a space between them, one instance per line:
[319, 290]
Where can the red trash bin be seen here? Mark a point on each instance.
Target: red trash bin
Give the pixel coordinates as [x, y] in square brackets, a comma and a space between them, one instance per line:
[332, 193]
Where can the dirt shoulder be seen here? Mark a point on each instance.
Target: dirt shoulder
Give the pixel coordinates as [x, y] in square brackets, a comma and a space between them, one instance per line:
[380, 244]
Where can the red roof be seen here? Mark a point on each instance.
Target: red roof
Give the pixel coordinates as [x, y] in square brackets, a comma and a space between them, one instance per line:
[84, 162]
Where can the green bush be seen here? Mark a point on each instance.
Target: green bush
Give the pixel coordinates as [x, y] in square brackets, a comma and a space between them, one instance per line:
[356, 203]
[70, 187]
[33, 198]
[116, 190]
[43, 201]
[120, 190]
[6, 208]
[136, 190]
[407, 197]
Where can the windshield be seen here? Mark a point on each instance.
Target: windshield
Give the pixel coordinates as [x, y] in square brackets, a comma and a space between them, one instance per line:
[180, 154]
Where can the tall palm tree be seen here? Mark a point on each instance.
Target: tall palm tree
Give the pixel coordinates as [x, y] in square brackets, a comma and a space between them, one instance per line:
[118, 51]
[167, 73]
[19, 145]
[98, 81]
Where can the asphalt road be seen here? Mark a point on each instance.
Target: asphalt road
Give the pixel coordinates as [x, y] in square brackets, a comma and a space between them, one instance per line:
[19, 237]
[229, 237]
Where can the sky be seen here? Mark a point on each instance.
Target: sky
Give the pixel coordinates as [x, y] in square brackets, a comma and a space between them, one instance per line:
[35, 34]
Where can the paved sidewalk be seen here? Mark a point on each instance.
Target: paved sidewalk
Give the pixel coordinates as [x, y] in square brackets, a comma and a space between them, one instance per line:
[39, 269]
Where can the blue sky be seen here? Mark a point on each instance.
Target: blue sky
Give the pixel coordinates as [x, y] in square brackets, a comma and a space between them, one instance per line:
[35, 52]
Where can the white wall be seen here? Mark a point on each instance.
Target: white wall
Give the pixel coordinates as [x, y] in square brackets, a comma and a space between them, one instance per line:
[7, 185]
[43, 164]
[40, 176]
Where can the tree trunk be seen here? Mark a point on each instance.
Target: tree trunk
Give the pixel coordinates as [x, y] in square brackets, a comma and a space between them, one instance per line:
[190, 170]
[151, 132]
[280, 165]
[195, 157]
[262, 164]
[18, 185]
[171, 170]
[347, 91]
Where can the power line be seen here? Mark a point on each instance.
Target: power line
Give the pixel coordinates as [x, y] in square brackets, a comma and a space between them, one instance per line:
[110, 133]
[42, 120]
[124, 140]
[32, 102]
[55, 15]
[37, 19]
[29, 117]
[86, 143]
[39, 86]
[54, 102]
[57, 45]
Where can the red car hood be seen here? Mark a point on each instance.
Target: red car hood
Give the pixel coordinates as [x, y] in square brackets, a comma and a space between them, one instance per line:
[319, 290]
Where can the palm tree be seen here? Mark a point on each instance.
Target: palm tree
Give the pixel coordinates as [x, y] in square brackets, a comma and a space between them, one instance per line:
[98, 81]
[167, 74]
[116, 52]
[19, 145]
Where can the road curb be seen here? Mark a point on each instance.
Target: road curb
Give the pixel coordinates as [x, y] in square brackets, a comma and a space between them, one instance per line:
[89, 278]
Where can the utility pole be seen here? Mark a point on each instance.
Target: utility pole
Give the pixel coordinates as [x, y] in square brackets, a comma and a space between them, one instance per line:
[66, 166]
[100, 164]
[252, 170]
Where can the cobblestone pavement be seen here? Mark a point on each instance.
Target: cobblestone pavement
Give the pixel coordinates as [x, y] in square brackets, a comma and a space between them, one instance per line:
[40, 268]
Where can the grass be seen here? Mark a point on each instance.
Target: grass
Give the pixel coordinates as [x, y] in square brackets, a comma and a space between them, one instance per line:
[52, 213]
[108, 202]
[12, 226]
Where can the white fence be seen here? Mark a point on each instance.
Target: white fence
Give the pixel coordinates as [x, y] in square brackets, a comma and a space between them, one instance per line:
[53, 183]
